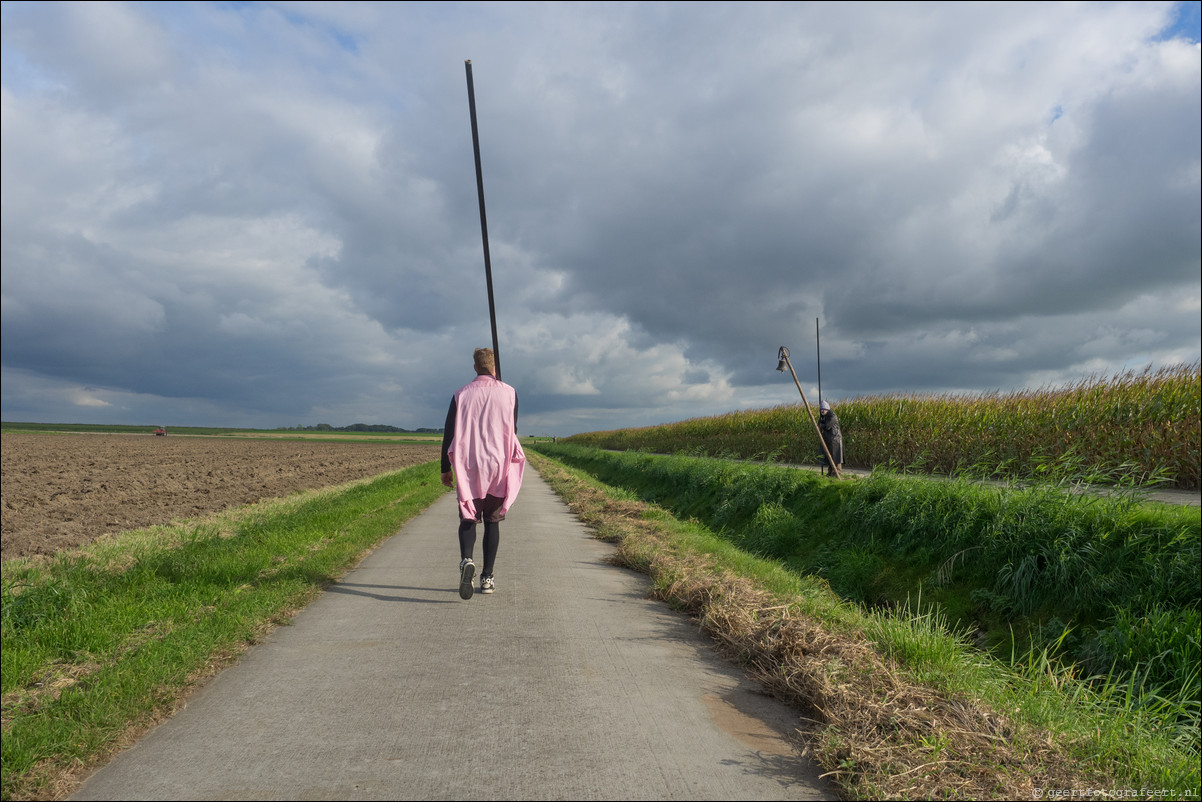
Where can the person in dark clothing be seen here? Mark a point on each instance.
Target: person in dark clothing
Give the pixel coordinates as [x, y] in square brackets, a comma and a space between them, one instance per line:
[828, 424]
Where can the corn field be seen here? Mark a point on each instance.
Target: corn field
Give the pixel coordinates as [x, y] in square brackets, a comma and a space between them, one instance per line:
[1135, 428]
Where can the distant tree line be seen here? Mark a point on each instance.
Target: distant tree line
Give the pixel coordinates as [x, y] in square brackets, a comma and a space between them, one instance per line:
[359, 427]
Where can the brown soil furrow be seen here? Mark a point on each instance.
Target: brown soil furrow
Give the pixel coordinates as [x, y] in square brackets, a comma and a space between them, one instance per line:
[63, 491]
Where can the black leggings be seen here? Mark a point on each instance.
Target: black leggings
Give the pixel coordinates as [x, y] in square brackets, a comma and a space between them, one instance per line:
[492, 539]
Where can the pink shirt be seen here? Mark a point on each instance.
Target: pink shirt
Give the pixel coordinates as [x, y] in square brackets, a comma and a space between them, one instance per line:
[485, 454]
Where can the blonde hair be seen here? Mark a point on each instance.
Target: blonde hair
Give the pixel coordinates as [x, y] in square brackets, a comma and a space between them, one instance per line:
[484, 361]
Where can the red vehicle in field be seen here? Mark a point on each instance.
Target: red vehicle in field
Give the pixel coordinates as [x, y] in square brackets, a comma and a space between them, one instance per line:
[160, 432]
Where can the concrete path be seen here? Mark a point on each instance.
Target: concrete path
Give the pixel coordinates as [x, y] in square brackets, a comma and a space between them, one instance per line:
[567, 683]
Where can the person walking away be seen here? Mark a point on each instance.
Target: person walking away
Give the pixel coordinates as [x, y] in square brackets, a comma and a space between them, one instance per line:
[828, 424]
[483, 460]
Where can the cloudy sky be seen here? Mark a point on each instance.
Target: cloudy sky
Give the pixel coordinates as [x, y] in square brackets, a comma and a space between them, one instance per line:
[265, 214]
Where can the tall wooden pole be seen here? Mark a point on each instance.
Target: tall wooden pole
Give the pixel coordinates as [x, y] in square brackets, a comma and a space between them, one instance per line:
[818, 341]
[492, 310]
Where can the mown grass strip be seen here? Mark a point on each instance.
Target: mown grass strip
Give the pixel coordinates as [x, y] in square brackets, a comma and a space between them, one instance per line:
[100, 643]
[900, 706]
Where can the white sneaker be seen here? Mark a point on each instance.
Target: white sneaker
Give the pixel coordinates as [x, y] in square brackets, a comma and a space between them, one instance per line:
[487, 585]
[467, 572]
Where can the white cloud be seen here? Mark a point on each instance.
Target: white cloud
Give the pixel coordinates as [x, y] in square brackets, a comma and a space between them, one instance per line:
[87, 398]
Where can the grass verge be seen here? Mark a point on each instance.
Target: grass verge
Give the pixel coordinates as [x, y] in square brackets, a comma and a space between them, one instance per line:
[894, 705]
[100, 644]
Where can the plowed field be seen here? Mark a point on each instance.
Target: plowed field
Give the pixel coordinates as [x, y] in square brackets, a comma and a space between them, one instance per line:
[62, 491]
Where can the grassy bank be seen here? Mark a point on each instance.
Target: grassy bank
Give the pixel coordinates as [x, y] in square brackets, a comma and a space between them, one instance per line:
[902, 705]
[1134, 428]
[99, 644]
